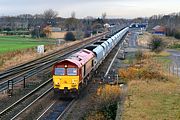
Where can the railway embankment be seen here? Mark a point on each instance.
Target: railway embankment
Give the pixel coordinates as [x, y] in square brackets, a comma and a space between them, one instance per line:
[18, 57]
[153, 91]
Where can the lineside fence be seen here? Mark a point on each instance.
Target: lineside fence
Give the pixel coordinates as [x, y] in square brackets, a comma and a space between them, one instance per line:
[174, 69]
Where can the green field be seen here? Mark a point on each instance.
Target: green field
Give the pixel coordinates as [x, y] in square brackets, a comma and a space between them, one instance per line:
[12, 43]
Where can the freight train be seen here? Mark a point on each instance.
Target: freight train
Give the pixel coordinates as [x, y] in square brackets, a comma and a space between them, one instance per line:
[71, 74]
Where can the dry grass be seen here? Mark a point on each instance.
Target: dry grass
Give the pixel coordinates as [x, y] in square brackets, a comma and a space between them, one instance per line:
[153, 101]
[153, 94]
[170, 41]
[161, 54]
[95, 115]
[15, 58]
[144, 40]
[148, 67]
[108, 93]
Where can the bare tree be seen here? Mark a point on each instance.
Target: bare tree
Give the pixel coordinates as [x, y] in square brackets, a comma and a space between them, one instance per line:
[73, 15]
[104, 15]
[72, 23]
[50, 15]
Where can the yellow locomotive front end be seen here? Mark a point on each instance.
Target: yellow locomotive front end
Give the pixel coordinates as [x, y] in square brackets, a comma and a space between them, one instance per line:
[66, 79]
[66, 82]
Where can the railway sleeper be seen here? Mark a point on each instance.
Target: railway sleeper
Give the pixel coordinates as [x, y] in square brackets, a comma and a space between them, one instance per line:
[65, 93]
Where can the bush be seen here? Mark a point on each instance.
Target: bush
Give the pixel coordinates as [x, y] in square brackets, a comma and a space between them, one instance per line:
[79, 35]
[139, 55]
[70, 36]
[177, 34]
[104, 103]
[147, 69]
[170, 31]
[7, 29]
[173, 32]
[87, 34]
[94, 32]
[33, 34]
[157, 44]
[42, 35]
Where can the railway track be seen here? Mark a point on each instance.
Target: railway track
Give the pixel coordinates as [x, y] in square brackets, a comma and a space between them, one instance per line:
[56, 110]
[24, 71]
[21, 105]
[40, 60]
[85, 104]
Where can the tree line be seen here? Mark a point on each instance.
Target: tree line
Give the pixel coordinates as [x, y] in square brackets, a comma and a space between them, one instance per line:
[34, 24]
[171, 22]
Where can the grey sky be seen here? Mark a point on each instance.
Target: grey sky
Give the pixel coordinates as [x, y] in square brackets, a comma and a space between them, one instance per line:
[83, 8]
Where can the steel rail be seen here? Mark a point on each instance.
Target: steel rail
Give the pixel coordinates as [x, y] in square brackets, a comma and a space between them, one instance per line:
[32, 103]
[24, 98]
[66, 109]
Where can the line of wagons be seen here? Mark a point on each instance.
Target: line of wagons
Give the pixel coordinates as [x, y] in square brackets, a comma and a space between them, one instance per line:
[71, 74]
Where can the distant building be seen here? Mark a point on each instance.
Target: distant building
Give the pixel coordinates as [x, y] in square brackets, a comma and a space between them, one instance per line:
[54, 32]
[159, 30]
[139, 25]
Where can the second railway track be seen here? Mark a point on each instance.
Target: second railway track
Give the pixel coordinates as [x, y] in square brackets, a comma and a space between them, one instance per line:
[25, 102]
[56, 110]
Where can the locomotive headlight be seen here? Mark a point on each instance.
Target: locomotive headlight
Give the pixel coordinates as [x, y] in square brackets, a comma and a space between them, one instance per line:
[73, 81]
[74, 84]
[57, 83]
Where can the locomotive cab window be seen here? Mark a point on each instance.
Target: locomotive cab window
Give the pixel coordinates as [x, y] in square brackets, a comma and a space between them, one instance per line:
[59, 71]
[71, 71]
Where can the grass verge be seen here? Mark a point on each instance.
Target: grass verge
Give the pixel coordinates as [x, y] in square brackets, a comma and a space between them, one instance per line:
[153, 93]
[153, 101]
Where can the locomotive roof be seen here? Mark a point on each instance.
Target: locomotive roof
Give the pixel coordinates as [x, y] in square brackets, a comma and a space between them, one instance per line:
[81, 57]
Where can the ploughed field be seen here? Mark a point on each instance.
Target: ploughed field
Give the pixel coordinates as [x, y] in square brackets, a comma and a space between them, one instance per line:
[12, 43]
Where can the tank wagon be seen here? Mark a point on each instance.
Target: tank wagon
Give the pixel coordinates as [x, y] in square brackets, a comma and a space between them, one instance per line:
[71, 74]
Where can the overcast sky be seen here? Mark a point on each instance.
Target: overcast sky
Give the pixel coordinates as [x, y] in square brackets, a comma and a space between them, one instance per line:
[83, 8]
